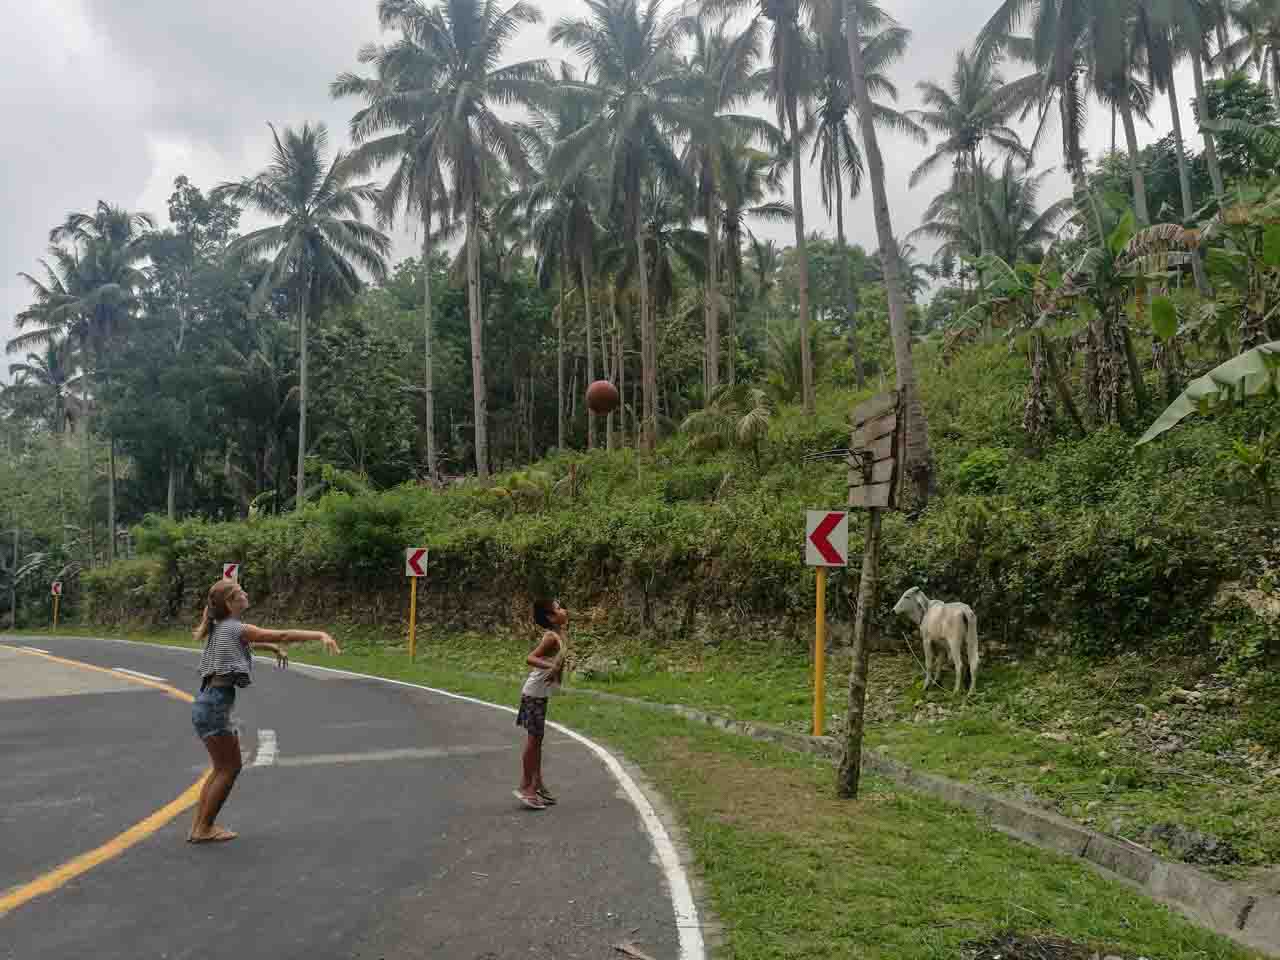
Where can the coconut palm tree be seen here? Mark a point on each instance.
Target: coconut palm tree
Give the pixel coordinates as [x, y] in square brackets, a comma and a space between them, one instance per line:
[1259, 44]
[1015, 227]
[630, 51]
[791, 84]
[51, 376]
[766, 261]
[972, 112]
[1165, 38]
[465, 40]
[1117, 84]
[864, 17]
[397, 127]
[320, 243]
[721, 75]
[748, 177]
[835, 147]
[110, 247]
[561, 216]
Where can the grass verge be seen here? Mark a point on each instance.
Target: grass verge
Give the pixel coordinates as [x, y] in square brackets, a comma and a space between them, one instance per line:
[794, 873]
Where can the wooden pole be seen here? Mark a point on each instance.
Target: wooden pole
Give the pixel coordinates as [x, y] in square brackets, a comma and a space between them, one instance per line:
[820, 655]
[413, 617]
[56, 598]
[851, 764]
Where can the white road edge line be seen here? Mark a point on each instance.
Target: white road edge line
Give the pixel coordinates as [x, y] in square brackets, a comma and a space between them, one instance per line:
[37, 650]
[688, 929]
[267, 748]
[139, 673]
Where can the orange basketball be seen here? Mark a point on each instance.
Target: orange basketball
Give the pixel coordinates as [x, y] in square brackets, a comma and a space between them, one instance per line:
[602, 397]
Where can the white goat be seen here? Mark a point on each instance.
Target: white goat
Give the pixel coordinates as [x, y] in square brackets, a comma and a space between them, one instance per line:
[951, 624]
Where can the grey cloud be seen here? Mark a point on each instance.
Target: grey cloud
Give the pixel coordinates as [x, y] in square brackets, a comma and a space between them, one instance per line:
[111, 100]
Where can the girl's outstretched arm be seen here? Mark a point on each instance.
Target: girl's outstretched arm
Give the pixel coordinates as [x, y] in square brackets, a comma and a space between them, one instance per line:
[257, 635]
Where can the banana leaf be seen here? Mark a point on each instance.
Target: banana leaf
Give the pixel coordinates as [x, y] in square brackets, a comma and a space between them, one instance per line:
[1254, 372]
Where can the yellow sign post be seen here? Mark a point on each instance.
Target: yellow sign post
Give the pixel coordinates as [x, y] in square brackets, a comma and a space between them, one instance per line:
[820, 655]
[826, 544]
[415, 566]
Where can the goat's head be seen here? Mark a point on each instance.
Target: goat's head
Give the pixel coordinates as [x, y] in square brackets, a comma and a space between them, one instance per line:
[913, 604]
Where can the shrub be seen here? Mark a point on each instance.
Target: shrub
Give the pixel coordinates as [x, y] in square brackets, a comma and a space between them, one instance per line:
[982, 471]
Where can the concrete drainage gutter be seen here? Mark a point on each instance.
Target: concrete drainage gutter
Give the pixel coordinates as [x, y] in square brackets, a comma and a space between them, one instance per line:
[1251, 919]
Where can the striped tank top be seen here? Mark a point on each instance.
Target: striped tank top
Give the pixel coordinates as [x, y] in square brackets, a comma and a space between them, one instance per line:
[227, 653]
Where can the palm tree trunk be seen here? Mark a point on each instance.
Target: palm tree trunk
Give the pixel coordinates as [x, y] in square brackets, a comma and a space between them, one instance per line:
[591, 354]
[1184, 183]
[87, 454]
[1210, 142]
[479, 395]
[648, 355]
[711, 308]
[975, 187]
[111, 498]
[172, 498]
[846, 276]
[560, 371]
[608, 362]
[303, 310]
[1135, 164]
[802, 261]
[919, 458]
[731, 370]
[428, 371]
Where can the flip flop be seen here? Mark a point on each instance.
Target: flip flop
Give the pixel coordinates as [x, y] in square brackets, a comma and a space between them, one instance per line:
[531, 803]
[218, 836]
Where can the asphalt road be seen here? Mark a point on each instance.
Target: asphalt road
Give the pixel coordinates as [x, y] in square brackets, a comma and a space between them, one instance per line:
[375, 821]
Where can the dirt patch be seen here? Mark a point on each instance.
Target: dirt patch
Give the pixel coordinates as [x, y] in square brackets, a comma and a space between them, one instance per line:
[1018, 946]
[765, 797]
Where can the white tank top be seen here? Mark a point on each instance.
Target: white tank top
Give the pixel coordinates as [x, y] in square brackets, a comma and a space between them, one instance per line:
[538, 686]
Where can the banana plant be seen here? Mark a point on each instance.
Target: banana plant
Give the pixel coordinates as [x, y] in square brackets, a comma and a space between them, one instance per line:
[1254, 373]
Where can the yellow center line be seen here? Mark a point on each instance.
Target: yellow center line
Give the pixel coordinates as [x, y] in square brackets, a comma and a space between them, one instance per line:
[60, 876]
[171, 691]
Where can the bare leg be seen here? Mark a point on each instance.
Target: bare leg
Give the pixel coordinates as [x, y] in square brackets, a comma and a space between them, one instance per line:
[532, 765]
[537, 767]
[224, 752]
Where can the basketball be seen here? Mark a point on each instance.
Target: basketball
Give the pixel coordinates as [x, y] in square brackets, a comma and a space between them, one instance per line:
[602, 397]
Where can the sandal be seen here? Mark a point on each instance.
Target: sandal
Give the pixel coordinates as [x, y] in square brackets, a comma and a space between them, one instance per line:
[547, 797]
[218, 836]
[532, 803]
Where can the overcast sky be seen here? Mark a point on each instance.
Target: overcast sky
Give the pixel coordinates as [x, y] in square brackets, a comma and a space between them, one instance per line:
[110, 100]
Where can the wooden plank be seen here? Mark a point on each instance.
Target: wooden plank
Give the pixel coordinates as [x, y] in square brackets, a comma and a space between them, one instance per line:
[875, 407]
[875, 429]
[881, 472]
[880, 449]
[879, 495]
[883, 448]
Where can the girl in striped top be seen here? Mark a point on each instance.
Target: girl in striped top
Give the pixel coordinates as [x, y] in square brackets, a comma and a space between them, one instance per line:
[225, 666]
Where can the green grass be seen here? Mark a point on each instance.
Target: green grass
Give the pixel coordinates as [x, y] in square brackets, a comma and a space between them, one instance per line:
[794, 873]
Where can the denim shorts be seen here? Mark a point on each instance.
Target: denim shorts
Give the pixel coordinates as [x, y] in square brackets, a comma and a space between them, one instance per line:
[211, 712]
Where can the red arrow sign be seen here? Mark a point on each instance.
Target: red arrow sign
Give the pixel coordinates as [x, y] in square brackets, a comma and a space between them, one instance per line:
[828, 538]
[57, 588]
[819, 538]
[231, 571]
[415, 562]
